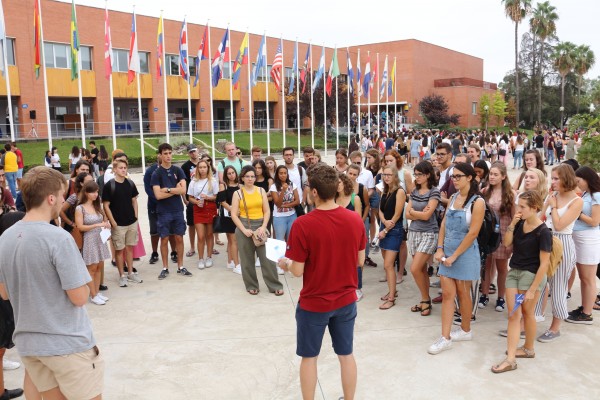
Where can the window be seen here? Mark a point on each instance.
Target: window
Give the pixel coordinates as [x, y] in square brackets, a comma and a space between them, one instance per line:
[474, 108]
[261, 74]
[288, 73]
[226, 70]
[121, 61]
[172, 67]
[10, 51]
[58, 55]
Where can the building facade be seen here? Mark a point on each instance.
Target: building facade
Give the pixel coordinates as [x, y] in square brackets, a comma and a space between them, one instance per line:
[422, 69]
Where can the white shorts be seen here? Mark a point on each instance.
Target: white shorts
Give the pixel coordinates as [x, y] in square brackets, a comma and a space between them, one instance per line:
[587, 246]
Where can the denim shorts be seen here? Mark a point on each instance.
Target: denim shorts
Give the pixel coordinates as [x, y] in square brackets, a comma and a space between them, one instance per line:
[170, 224]
[393, 239]
[374, 200]
[311, 328]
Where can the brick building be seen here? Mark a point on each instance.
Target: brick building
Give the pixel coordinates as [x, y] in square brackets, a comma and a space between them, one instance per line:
[422, 69]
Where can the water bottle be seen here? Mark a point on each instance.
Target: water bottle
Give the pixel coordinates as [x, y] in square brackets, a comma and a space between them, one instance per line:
[497, 228]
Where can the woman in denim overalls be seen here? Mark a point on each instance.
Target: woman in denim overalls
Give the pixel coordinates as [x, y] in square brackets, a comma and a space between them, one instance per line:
[458, 254]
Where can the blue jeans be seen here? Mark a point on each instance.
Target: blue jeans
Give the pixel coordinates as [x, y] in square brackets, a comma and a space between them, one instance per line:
[518, 159]
[11, 178]
[368, 228]
[550, 157]
[283, 225]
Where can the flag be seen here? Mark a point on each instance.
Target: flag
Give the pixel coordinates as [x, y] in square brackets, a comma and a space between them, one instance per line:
[367, 78]
[384, 78]
[374, 78]
[74, 43]
[294, 68]
[392, 79]
[277, 67]
[183, 53]
[240, 59]
[219, 58]
[37, 39]
[261, 61]
[334, 72]
[160, 50]
[2, 38]
[202, 54]
[519, 298]
[350, 72]
[134, 57]
[108, 53]
[359, 87]
[305, 69]
[320, 71]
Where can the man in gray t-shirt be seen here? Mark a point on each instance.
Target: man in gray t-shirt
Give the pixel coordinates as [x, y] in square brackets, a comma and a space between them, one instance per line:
[43, 274]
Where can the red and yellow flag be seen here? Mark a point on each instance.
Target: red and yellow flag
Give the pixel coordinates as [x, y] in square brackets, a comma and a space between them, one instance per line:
[37, 39]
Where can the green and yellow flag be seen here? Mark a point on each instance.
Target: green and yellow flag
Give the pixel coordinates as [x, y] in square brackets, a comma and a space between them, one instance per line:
[74, 43]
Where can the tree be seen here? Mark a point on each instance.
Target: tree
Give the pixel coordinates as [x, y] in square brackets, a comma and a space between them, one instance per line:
[517, 10]
[543, 25]
[584, 60]
[434, 109]
[511, 110]
[498, 108]
[484, 115]
[564, 62]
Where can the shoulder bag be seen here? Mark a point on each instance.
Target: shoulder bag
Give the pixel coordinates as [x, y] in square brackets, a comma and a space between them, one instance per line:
[259, 240]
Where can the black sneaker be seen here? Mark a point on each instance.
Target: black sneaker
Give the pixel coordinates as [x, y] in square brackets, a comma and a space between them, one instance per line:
[568, 295]
[458, 320]
[154, 258]
[163, 274]
[483, 301]
[581, 318]
[11, 394]
[576, 311]
[174, 256]
[103, 287]
[500, 304]
[430, 271]
[184, 272]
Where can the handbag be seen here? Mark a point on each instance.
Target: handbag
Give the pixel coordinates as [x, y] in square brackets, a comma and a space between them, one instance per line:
[259, 240]
[299, 210]
[223, 223]
[502, 152]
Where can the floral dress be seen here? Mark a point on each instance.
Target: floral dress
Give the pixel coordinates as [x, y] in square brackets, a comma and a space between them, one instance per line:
[94, 251]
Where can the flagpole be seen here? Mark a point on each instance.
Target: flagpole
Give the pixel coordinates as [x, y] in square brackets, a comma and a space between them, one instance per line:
[312, 105]
[7, 77]
[81, 118]
[337, 115]
[348, 85]
[369, 93]
[212, 123]
[112, 106]
[297, 96]
[387, 99]
[377, 86]
[395, 101]
[164, 65]
[139, 95]
[249, 90]
[324, 101]
[43, 63]
[189, 80]
[267, 79]
[230, 86]
[358, 94]
[283, 107]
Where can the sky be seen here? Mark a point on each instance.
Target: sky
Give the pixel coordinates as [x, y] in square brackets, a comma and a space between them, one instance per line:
[476, 27]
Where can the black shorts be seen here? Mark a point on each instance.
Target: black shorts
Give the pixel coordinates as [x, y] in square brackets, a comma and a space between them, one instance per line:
[152, 219]
[189, 214]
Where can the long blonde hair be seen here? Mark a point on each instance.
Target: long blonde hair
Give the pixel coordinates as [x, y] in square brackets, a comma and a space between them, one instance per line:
[209, 174]
[395, 184]
[542, 188]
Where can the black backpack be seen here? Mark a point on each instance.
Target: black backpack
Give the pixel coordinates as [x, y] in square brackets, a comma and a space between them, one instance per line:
[488, 239]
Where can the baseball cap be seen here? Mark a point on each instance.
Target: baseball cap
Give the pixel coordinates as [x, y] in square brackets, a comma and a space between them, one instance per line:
[191, 147]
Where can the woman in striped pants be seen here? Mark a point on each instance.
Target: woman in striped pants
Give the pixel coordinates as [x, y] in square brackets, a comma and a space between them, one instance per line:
[562, 208]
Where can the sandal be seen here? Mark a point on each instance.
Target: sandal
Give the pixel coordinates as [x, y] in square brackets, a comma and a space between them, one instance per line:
[492, 288]
[426, 311]
[278, 292]
[215, 252]
[219, 242]
[385, 297]
[387, 304]
[597, 306]
[253, 292]
[190, 253]
[510, 366]
[526, 353]
[418, 307]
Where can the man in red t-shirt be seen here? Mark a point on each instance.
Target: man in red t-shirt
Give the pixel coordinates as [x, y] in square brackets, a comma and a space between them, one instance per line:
[324, 247]
[20, 163]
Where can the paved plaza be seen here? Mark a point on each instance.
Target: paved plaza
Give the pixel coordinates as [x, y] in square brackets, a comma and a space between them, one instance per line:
[204, 337]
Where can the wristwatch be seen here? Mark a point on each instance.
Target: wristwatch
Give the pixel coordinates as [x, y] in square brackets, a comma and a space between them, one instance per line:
[168, 190]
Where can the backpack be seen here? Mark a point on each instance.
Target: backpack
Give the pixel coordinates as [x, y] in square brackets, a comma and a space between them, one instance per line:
[556, 256]
[241, 163]
[488, 239]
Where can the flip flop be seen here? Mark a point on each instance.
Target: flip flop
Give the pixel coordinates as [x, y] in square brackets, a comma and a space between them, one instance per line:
[219, 242]
[253, 292]
[278, 293]
[190, 253]
[510, 366]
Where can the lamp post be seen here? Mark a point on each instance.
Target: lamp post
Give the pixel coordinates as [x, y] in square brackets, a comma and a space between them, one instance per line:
[562, 110]
[486, 108]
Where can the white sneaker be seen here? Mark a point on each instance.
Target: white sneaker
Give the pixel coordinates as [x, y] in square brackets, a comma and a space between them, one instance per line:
[257, 263]
[209, 262]
[458, 335]
[123, 281]
[359, 295]
[134, 278]
[237, 269]
[540, 318]
[440, 345]
[280, 271]
[103, 297]
[98, 301]
[201, 264]
[9, 365]
[231, 265]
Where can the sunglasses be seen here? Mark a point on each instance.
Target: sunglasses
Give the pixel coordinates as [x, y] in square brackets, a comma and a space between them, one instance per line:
[238, 153]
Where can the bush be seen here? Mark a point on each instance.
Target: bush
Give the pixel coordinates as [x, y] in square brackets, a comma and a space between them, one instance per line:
[589, 151]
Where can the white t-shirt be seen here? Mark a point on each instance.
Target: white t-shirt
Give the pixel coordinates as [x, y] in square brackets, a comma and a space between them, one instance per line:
[201, 186]
[366, 178]
[443, 174]
[288, 196]
[73, 159]
[298, 182]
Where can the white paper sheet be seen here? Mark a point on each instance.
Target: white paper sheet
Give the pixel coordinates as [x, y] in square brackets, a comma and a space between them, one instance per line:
[104, 234]
[275, 249]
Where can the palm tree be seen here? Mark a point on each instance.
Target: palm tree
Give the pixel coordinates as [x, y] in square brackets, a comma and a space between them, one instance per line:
[543, 25]
[584, 61]
[517, 10]
[564, 62]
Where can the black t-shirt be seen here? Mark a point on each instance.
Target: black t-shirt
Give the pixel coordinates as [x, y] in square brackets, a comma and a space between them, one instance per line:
[168, 178]
[188, 168]
[95, 152]
[527, 246]
[120, 201]
[539, 141]
[456, 145]
[302, 164]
